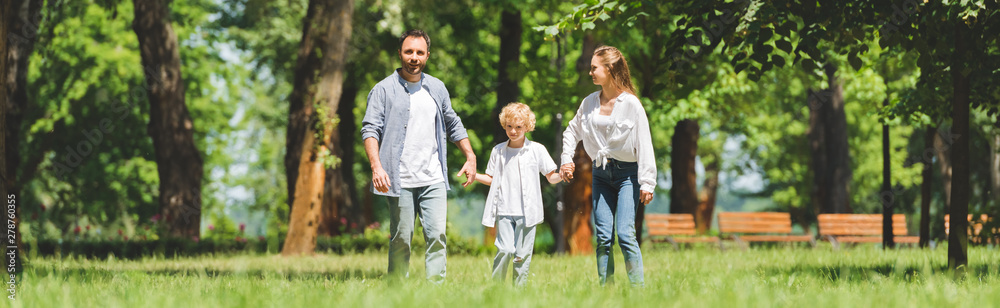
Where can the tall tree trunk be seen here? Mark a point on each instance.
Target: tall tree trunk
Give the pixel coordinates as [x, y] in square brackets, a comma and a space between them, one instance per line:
[577, 205]
[554, 214]
[18, 33]
[348, 127]
[576, 222]
[925, 188]
[319, 78]
[7, 182]
[22, 24]
[995, 170]
[706, 199]
[341, 210]
[177, 159]
[831, 159]
[958, 238]
[684, 144]
[943, 142]
[887, 198]
[508, 90]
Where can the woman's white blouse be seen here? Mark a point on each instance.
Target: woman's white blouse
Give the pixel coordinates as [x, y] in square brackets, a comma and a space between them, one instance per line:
[628, 139]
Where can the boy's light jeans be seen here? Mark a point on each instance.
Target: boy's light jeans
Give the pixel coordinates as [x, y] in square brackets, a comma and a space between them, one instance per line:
[431, 203]
[514, 241]
[616, 198]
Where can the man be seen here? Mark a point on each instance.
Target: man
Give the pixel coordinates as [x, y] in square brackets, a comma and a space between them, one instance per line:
[408, 117]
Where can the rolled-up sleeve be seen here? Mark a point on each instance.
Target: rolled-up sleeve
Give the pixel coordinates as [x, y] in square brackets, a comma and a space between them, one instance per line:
[571, 136]
[373, 124]
[452, 123]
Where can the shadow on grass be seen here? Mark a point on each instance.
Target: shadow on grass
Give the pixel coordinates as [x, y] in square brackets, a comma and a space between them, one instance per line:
[341, 275]
[853, 273]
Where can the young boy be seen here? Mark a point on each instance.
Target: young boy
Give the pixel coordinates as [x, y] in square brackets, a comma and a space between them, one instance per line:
[514, 205]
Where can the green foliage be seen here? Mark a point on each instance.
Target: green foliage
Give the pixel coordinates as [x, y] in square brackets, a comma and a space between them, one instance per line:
[86, 124]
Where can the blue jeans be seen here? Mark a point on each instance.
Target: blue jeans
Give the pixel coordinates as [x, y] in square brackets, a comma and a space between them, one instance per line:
[514, 241]
[431, 203]
[616, 199]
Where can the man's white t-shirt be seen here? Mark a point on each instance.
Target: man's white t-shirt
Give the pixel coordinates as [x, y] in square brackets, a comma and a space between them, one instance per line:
[419, 165]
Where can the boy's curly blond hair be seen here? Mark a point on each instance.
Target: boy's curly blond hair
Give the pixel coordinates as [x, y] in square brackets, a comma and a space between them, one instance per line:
[517, 113]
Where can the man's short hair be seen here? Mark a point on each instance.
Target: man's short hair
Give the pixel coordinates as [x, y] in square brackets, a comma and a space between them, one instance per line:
[517, 113]
[415, 33]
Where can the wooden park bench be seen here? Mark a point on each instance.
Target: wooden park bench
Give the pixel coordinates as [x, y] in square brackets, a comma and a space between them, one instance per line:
[676, 229]
[861, 228]
[975, 228]
[746, 227]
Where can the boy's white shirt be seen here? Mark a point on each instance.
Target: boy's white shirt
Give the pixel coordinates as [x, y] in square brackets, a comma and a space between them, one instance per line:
[628, 139]
[532, 157]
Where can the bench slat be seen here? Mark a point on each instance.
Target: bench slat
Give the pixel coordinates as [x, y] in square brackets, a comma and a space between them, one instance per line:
[755, 215]
[776, 238]
[877, 239]
[660, 224]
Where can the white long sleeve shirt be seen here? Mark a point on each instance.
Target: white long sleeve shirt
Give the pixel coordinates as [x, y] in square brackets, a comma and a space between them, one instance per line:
[628, 139]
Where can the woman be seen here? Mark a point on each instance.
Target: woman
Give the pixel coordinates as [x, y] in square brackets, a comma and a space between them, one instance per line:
[615, 132]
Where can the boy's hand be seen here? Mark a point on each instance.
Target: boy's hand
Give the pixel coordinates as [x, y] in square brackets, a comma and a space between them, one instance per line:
[566, 172]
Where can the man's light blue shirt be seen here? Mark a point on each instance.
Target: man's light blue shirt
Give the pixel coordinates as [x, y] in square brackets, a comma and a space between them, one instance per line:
[386, 118]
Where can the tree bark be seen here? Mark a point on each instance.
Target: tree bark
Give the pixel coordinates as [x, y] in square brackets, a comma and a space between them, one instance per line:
[18, 33]
[5, 15]
[578, 207]
[508, 90]
[925, 189]
[958, 238]
[684, 192]
[554, 214]
[319, 78]
[341, 210]
[886, 197]
[829, 148]
[22, 25]
[995, 170]
[706, 199]
[177, 159]
[941, 149]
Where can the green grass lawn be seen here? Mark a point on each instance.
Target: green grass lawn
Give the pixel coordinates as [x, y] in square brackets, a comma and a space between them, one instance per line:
[861, 276]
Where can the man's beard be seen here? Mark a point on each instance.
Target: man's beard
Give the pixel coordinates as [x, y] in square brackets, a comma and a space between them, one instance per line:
[413, 69]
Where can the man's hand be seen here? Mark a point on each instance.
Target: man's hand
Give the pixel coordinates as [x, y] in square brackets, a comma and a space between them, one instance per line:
[380, 179]
[566, 171]
[469, 170]
[645, 197]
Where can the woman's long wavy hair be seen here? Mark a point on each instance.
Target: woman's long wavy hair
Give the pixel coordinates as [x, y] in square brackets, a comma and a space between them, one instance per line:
[613, 60]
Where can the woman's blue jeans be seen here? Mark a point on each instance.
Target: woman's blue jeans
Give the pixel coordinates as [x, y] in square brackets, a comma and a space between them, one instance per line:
[616, 199]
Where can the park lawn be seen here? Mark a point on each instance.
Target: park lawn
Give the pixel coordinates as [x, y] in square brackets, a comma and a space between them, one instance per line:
[857, 277]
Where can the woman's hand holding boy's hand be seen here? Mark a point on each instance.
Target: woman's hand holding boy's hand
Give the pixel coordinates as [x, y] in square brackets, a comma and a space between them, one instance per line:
[566, 172]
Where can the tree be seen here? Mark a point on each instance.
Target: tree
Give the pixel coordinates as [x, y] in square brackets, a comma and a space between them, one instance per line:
[318, 86]
[4, 15]
[170, 125]
[23, 27]
[949, 37]
[831, 158]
